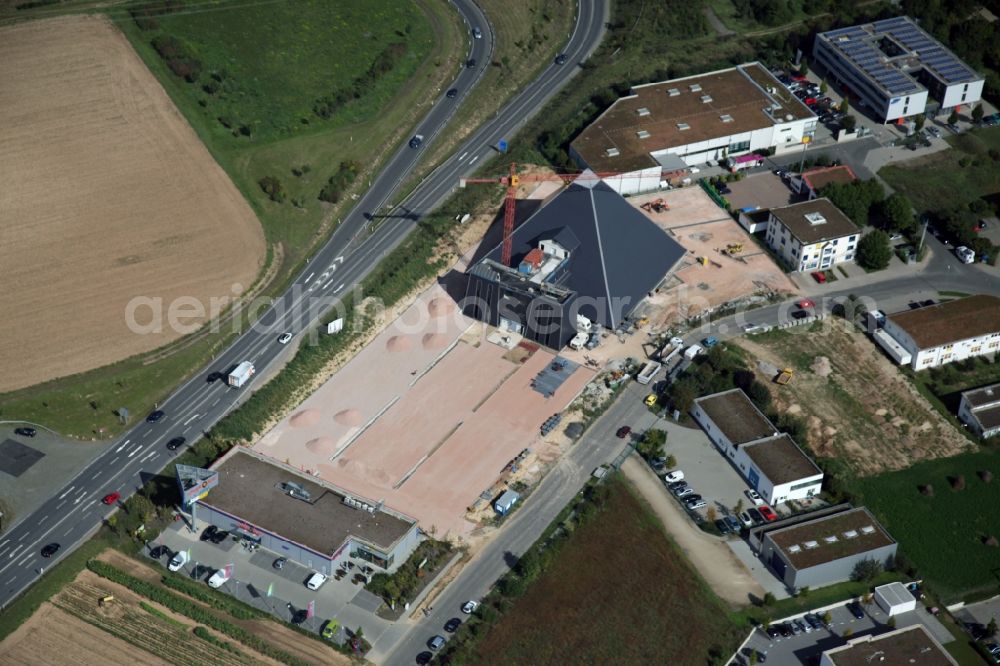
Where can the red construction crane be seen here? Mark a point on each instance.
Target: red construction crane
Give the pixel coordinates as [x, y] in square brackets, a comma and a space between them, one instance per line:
[513, 179]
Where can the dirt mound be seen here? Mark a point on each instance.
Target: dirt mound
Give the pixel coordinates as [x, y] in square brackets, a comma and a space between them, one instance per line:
[435, 341]
[398, 343]
[821, 366]
[306, 418]
[439, 307]
[349, 417]
[322, 446]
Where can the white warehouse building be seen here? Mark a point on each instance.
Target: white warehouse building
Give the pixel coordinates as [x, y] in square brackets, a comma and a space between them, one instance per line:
[943, 333]
[664, 128]
[770, 461]
[812, 235]
[893, 66]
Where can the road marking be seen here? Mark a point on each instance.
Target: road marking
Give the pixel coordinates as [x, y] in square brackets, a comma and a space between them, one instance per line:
[22, 537]
[124, 444]
[185, 430]
[95, 476]
[135, 452]
[68, 532]
[148, 433]
[216, 401]
[82, 495]
[24, 560]
[13, 553]
[58, 506]
[327, 285]
[4, 542]
[473, 160]
[310, 276]
[462, 156]
[313, 286]
[43, 519]
[188, 422]
[338, 289]
[67, 492]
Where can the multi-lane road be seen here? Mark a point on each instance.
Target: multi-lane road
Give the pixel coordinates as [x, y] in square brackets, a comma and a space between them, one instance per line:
[73, 512]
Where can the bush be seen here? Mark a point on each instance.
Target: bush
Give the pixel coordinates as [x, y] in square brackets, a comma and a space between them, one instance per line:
[205, 595]
[328, 105]
[204, 634]
[957, 482]
[866, 570]
[874, 250]
[403, 585]
[346, 173]
[273, 188]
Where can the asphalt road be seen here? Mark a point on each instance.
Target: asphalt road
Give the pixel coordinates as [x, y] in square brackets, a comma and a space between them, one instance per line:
[74, 511]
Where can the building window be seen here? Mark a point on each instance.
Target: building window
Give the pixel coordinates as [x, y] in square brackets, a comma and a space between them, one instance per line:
[965, 88]
[739, 147]
[852, 239]
[907, 100]
[963, 96]
[800, 486]
[906, 110]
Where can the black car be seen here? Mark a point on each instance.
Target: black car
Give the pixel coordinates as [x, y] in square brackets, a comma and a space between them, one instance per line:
[451, 625]
[773, 631]
[855, 609]
[470, 63]
[424, 657]
[800, 314]
[25, 432]
[158, 551]
[452, 94]
[176, 443]
[50, 550]
[209, 533]
[785, 630]
[156, 416]
[722, 526]
[280, 563]
[417, 141]
[755, 516]
[561, 59]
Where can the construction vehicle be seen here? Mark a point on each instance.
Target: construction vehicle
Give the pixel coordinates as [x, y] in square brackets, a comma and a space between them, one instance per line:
[105, 600]
[648, 371]
[655, 206]
[784, 376]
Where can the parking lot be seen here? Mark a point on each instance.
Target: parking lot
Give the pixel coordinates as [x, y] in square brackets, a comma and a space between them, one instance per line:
[805, 647]
[254, 575]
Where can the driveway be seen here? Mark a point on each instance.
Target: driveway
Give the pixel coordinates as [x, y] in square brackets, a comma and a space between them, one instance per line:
[727, 577]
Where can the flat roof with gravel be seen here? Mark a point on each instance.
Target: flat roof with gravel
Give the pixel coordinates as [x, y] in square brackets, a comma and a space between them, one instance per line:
[944, 323]
[679, 112]
[250, 488]
[736, 416]
[830, 538]
[910, 646]
[983, 396]
[781, 460]
[815, 221]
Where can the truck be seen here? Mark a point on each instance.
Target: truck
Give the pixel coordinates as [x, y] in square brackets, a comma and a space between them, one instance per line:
[692, 351]
[648, 372]
[579, 340]
[241, 374]
[784, 376]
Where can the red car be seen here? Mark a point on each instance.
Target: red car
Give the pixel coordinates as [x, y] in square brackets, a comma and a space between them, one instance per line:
[819, 276]
[806, 303]
[623, 432]
[111, 498]
[769, 516]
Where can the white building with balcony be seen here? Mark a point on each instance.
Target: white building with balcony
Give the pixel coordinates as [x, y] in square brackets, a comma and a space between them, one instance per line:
[812, 235]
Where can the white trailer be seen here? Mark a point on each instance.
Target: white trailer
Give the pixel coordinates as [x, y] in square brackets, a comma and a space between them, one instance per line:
[648, 372]
[692, 351]
[241, 374]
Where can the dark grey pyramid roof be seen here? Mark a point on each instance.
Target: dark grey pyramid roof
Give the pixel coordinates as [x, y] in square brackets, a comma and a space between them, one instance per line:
[621, 254]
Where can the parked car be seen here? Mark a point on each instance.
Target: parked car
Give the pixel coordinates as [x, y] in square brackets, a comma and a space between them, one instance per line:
[819, 276]
[772, 631]
[755, 516]
[111, 498]
[753, 329]
[658, 464]
[175, 443]
[684, 491]
[25, 432]
[746, 519]
[218, 578]
[722, 526]
[470, 607]
[785, 630]
[436, 643]
[754, 496]
[50, 550]
[674, 476]
[813, 620]
[315, 581]
[623, 432]
[767, 513]
[279, 563]
[329, 631]
[220, 536]
[803, 625]
[795, 627]
[453, 624]
[209, 533]
[694, 497]
[155, 417]
[806, 303]
[710, 342]
[179, 559]
[734, 524]
[696, 504]
[799, 314]
[965, 255]
[854, 608]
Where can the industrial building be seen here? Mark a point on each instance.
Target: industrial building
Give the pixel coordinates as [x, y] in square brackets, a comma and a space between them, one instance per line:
[979, 409]
[813, 551]
[939, 333]
[303, 518]
[909, 646]
[669, 126]
[893, 66]
[586, 258]
[812, 235]
[894, 599]
[770, 461]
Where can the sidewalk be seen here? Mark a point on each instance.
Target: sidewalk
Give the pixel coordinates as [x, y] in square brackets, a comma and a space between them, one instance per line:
[858, 277]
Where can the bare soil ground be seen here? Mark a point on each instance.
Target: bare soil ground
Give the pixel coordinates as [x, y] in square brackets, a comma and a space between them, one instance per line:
[108, 196]
[862, 411]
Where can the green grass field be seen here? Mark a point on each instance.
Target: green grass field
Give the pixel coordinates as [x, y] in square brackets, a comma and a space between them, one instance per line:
[944, 534]
[618, 592]
[939, 181]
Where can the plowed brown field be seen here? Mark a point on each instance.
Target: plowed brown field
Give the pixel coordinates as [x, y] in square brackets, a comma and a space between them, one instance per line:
[107, 195]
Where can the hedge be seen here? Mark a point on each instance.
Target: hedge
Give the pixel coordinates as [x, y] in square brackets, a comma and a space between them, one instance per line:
[198, 591]
[204, 634]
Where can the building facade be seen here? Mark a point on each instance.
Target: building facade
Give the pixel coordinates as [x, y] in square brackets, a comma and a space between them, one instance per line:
[690, 121]
[908, 646]
[893, 66]
[979, 409]
[814, 552]
[297, 516]
[770, 461]
[812, 235]
[944, 332]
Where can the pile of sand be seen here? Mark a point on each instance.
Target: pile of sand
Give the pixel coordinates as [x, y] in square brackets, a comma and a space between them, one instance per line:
[439, 307]
[322, 446]
[821, 366]
[306, 418]
[349, 417]
[398, 343]
[435, 341]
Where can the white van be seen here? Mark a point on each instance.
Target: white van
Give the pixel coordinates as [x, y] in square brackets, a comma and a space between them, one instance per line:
[315, 581]
[964, 254]
[179, 559]
[217, 579]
